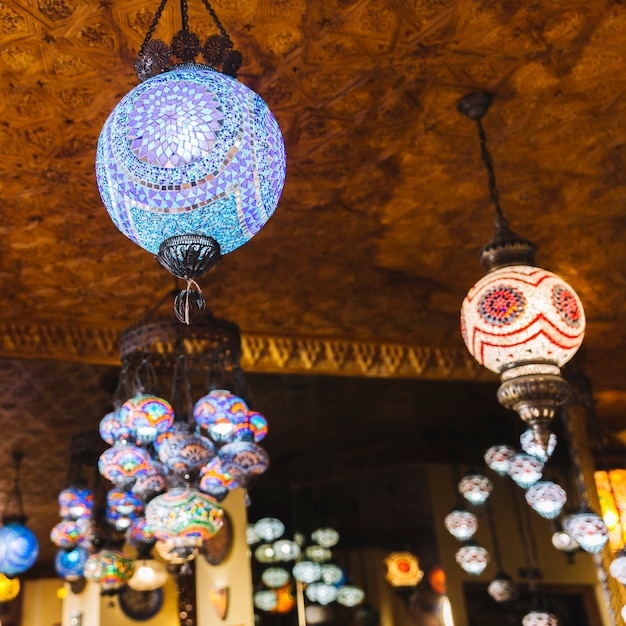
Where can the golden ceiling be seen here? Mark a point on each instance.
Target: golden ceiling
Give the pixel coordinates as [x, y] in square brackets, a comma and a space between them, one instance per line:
[374, 244]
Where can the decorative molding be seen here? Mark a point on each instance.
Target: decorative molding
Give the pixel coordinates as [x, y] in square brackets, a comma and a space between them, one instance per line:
[260, 353]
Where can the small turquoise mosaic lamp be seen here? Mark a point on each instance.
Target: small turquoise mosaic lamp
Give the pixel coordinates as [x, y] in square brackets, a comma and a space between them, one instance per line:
[190, 164]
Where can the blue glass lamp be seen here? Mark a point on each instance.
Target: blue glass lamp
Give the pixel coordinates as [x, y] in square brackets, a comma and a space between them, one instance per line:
[18, 545]
[191, 163]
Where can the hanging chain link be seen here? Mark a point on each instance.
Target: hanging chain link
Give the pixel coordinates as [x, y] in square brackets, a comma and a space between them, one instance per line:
[153, 25]
[488, 161]
[216, 21]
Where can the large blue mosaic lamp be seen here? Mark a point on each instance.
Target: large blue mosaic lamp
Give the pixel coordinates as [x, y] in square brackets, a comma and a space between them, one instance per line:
[191, 163]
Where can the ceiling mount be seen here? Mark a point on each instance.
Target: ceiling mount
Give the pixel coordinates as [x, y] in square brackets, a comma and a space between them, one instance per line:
[475, 105]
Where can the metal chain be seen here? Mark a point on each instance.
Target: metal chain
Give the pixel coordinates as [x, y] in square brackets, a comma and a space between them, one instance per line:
[153, 25]
[216, 21]
[184, 15]
[522, 539]
[497, 555]
[488, 161]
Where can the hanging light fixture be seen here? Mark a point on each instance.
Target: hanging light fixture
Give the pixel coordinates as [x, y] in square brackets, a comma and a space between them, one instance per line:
[349, 595]
[617, 568]
[191, 163]
[529, 445]
[475, 488]
[403, 569]
[501, 588]
[70, 564]
[472, 558]
[18, 545]
[547, 498]
[564, 542]
[588, 530]
[498, 458]
[111, 569]
[520, 321]
[539, 618]
[325, 537]
[461, 524]
[9, 588]
[525, 470]
[149, 574]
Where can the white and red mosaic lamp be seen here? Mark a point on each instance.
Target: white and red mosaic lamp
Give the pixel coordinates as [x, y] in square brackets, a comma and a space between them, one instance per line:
[520, 321]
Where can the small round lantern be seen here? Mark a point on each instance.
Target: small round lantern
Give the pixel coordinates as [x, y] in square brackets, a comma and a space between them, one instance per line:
[307, 572]
[70, 564]
[588, 530]
[70, 533]
[547, 498]
[525, 470]
[498, 458]
[9, 588]
[349, 595]
[403, 569]
[472, 558]
[275, 577]
[265, 600]
[110, 568]
[502, 588]
[322, 593]
[286, 550]
[475, 488]
[214, 481]
[218, 412]
[123, 464]
[182, 512]
[75, 502]
[184, 452]
[617, 568]
[325, 537]
[269, 528]
[243, 460]
[147, 416]
[18, 548]
[461, 524]
[149, 575]
[531, 446]
[539, 618]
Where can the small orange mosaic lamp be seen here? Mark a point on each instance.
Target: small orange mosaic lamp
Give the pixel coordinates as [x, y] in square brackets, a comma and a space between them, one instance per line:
[403, 569]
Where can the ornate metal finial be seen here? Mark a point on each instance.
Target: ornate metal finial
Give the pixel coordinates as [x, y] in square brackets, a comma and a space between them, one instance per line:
[217, 50]
[506, 247]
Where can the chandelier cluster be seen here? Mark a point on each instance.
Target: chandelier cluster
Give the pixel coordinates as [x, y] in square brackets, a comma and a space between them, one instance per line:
[170, 464]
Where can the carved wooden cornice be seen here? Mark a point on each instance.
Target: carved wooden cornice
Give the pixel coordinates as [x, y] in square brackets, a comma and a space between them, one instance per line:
[260, 352]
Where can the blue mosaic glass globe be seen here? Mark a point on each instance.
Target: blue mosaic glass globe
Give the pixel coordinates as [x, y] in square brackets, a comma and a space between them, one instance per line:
[70, 564]
[18, 549]
[190, 150]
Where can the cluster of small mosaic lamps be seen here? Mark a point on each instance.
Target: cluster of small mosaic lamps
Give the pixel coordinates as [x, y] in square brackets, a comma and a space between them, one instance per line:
[324, 581]
[168, 479]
